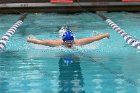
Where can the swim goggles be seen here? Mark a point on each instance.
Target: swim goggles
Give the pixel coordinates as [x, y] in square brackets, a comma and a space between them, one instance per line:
[69, 42]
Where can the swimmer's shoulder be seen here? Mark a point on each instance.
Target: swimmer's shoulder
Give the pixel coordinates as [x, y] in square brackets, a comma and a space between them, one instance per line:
[76, 42]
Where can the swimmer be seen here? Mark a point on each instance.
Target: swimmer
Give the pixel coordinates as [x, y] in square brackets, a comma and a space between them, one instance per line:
[68, 40]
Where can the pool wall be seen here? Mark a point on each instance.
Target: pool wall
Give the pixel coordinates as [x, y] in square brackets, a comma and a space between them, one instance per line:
[16, 6]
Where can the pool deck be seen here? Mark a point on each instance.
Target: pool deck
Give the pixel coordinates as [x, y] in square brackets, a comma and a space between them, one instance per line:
[17, 6]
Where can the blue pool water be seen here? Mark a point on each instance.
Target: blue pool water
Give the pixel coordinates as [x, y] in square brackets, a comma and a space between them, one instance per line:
[105, 66]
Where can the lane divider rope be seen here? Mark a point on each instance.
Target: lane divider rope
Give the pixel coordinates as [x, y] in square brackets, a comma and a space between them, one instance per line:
[128, 38]
[11, 31]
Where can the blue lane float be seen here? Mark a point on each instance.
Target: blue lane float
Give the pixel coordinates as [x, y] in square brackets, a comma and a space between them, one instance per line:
[11, 31]
[128, 38]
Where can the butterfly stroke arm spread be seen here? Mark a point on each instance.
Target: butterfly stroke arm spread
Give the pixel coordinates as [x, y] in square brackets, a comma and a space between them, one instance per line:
[91, 39]
[53, 43]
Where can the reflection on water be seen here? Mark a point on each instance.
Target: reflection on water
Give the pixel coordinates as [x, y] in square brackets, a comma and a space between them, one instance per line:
[3, 85]
[70, 78]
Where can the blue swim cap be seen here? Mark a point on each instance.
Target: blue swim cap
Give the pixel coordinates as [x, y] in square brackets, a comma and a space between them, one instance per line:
[68, 35]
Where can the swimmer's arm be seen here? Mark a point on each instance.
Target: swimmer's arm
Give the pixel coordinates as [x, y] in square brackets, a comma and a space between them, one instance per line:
[92, 39]
[51, 43]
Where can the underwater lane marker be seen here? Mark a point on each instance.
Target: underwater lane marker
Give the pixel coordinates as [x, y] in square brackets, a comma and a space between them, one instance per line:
[11, 31]
[128, 38]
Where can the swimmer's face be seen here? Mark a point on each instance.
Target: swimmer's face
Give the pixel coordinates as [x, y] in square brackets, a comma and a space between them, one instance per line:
[69, 43]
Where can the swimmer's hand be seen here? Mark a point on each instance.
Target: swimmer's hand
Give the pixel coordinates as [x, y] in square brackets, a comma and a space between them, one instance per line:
[107, 35]
[30, 38]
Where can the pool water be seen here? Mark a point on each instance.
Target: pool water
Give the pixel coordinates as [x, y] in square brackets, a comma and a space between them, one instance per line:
[105, 66]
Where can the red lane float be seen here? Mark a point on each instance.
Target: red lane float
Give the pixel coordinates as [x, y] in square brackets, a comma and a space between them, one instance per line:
[61, 1]
[131, 0]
